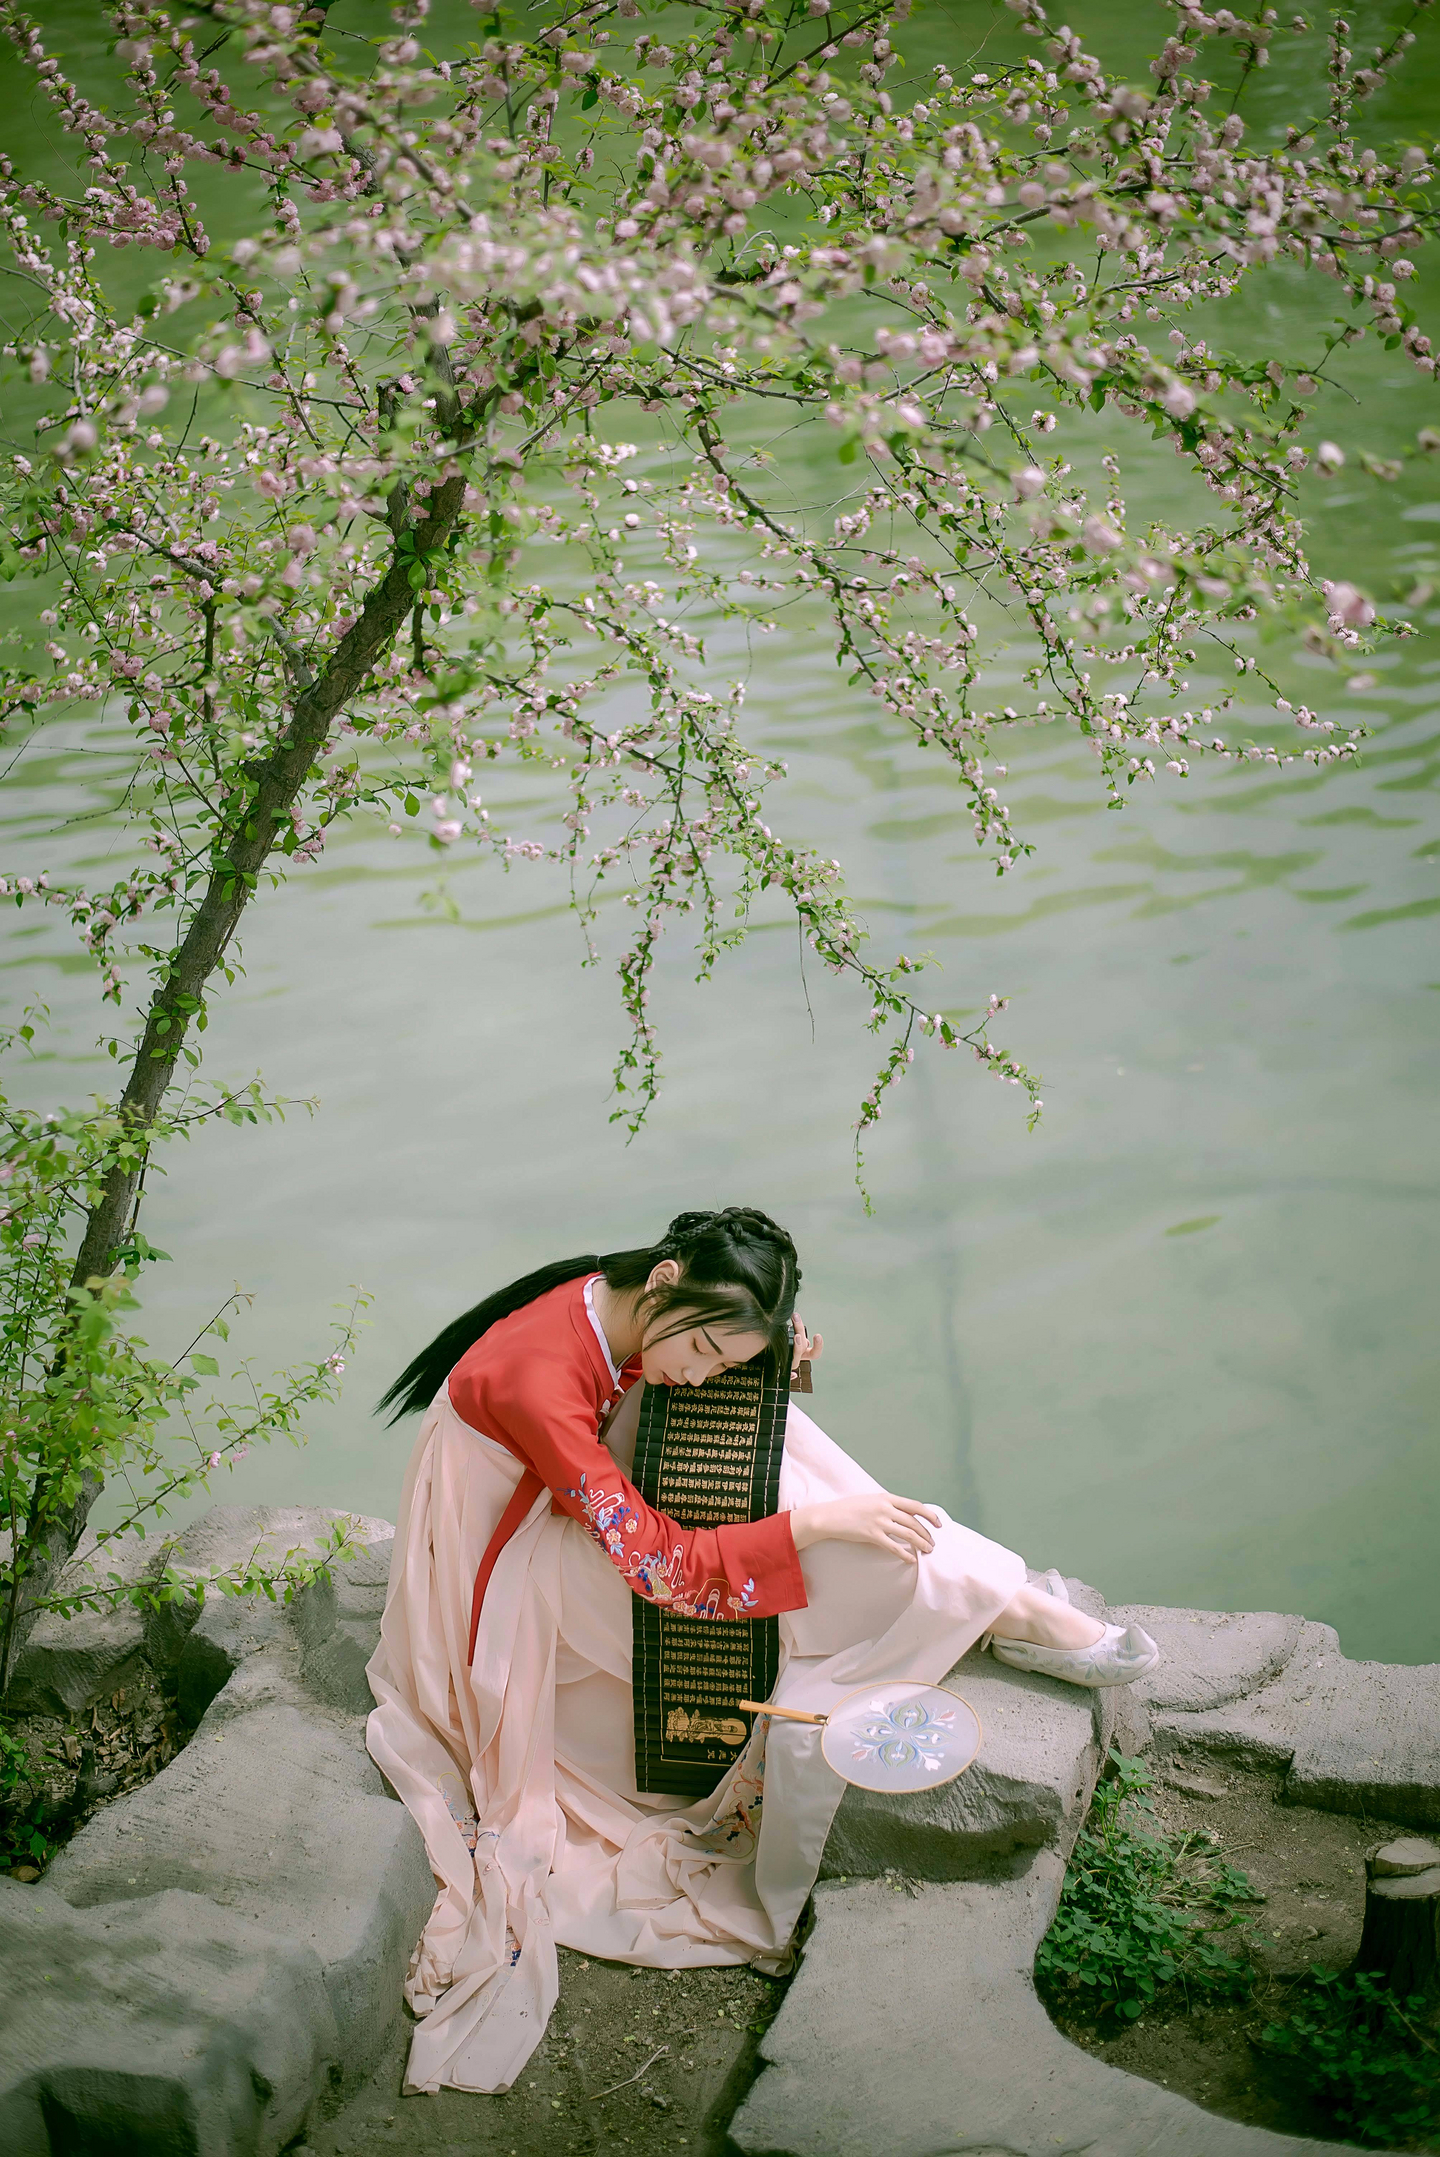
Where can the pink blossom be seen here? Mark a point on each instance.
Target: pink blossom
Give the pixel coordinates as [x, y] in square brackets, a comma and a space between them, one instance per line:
[1348, 605]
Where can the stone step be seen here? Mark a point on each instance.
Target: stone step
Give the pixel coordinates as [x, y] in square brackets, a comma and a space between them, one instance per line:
[1376, 1748]
[267, 1849]
[1351, 1737]
[281, 1818]
[272, 1830]
[165, 2024]
[913, 2028]
[1210, 1657]
[1259, 1729]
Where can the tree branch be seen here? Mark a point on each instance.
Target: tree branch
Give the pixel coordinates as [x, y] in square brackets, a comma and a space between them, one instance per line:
[255, 822]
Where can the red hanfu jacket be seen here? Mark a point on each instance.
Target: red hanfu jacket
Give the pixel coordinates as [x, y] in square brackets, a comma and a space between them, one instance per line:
[539, 1383]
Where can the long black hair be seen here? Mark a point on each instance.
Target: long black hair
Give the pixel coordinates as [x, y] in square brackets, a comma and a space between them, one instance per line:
[738, 1270]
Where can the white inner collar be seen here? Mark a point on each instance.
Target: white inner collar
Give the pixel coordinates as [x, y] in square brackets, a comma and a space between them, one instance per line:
[599, 1329]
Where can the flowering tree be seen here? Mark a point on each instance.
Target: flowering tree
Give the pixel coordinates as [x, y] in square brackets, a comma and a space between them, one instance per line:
[424, 451]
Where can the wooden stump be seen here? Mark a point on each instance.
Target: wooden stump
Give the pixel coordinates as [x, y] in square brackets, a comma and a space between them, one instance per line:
[1401, 1939]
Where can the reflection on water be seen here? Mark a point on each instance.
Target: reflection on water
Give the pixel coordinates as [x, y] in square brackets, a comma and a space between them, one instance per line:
[1181, 1341]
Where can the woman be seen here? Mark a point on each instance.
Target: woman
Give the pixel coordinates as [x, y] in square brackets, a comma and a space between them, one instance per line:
[505, 1717]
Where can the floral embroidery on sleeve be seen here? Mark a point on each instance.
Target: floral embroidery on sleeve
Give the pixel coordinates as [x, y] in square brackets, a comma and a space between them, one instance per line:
[613, 1522]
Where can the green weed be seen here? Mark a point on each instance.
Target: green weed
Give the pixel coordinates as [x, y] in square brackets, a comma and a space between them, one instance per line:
[1140, 1907]
[23, 1839]
[1365, 2056]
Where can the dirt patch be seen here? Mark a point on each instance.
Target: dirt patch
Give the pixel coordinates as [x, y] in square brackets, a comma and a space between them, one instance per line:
[1310, 1867]
[610, 2023]
[75, 1764]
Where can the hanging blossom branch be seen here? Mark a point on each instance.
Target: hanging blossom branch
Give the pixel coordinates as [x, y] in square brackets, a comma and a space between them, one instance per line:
[448, 457]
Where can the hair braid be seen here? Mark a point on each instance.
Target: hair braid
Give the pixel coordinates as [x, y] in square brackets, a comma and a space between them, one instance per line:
[749, 1221]
[736, 1224]
[684, 1230]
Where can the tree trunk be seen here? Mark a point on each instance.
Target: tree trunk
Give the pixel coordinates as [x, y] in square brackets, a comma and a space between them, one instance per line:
[1401, 1939]
[253, 827]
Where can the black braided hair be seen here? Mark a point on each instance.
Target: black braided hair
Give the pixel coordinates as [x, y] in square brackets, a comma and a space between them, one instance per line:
[738, 1271]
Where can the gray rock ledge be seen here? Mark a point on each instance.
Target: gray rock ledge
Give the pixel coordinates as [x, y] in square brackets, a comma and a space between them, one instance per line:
[218, 1956]
[161, 2024]
[913, 2030]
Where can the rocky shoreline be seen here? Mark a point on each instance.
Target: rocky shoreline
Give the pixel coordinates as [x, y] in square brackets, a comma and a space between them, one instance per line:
[213, 1963]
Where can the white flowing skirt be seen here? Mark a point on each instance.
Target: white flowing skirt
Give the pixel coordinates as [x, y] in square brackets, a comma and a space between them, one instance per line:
[520, 1770]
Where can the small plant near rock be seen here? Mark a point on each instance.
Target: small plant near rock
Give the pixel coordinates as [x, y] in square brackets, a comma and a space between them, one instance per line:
[1367, 2056]
[1140, 1908]
[83, 1404]
[25, 1847]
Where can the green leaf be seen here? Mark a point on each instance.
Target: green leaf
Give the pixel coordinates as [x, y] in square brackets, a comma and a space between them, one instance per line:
[591, 97]
[206, 1365]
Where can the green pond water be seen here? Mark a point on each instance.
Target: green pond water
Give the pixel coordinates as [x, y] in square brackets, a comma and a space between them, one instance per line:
[1182, 1341]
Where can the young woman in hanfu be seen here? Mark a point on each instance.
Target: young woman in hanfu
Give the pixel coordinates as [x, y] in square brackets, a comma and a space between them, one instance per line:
[503, 1676]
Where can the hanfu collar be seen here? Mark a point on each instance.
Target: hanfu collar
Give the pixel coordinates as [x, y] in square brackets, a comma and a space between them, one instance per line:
[599, 1329]
[620, 1380]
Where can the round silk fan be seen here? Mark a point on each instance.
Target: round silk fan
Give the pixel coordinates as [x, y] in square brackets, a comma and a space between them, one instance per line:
[898, 1735]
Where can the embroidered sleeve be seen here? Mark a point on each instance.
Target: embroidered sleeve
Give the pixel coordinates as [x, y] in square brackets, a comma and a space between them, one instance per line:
[750, 1569]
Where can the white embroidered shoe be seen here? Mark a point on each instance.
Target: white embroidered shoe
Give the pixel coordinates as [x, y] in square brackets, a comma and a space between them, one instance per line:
[1121, 1654]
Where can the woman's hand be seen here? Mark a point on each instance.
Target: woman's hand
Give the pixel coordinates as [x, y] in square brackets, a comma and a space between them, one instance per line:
[807, 1348]
[903, 1526]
